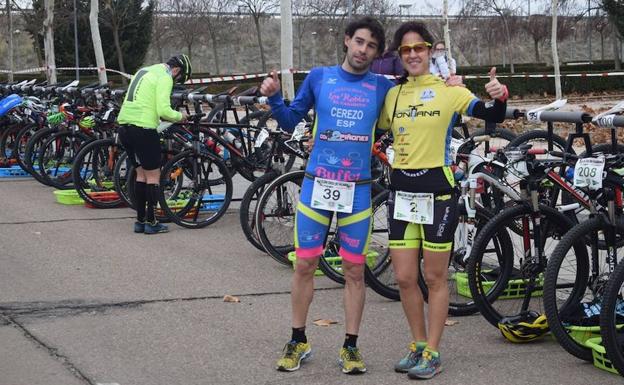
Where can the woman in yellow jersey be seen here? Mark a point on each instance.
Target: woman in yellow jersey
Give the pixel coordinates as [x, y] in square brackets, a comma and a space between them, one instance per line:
[420, 111]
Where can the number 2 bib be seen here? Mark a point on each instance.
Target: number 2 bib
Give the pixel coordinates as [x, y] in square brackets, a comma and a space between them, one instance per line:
[413, 207]
[333, 195]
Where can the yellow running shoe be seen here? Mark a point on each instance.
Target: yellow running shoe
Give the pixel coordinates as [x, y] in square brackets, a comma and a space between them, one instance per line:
[294, 353]
[351, 361]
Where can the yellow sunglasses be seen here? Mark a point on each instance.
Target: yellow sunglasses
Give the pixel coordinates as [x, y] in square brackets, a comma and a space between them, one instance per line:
[417, 47]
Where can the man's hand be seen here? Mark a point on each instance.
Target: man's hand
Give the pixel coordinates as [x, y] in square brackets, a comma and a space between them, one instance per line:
[455, 81]
[495, 89]
[271, 85]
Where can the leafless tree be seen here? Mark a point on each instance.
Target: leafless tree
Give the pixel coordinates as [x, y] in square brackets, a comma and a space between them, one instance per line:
[505, 10]
[600, 23]
[259, 9]
[185, 21]
[538, 27]
[215, 23]
[160, 30]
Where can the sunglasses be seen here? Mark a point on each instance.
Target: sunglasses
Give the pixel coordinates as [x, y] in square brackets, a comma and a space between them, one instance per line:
[416, 47]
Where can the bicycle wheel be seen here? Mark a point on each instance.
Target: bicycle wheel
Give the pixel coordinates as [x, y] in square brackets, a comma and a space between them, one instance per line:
[123, 169]
[539, 139]
[21, 140]
[576, 280]
[510, 281]
[33, 150]
[247, 211]
[57, 156]
[93, 173]
[195, 189]
[612, 318]
[330, 262]
[275, 215]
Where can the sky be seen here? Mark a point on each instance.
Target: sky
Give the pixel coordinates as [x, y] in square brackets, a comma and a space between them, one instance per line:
[428, 7]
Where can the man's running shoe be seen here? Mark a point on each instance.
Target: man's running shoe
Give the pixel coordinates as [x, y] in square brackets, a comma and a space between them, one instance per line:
[351, 361]
[427, 367]
[139, 227]
[294, 353]
[156, 228]
[411, 358]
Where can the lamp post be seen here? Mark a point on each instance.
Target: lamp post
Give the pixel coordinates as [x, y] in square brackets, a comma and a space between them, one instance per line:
[313, 61]
[405, 7]
[76, 42]
[476, 30]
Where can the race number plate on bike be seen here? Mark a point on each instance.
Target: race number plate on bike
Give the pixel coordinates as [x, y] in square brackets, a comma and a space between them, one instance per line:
[333, 195]
[413, 207]
[588, 173]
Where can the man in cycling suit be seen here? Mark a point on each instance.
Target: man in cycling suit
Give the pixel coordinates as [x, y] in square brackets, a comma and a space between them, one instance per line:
[347, 100]
[147, 102]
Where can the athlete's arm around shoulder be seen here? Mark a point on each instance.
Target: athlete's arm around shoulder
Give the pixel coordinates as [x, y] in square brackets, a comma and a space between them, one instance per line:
[289, 116]
[468, 104]
[164, 85]
[385, 116]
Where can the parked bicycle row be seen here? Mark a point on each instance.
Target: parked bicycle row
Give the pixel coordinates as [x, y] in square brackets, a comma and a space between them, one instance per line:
[536, 248]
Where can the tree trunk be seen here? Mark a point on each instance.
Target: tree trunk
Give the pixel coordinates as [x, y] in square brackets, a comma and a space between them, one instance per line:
[489, 54]
[97, 42]
[215, 53]
[10, 38]
[257, 23]
[601, 46]
[536, 46]
[555, 53]
[120, 61]
[48, 24]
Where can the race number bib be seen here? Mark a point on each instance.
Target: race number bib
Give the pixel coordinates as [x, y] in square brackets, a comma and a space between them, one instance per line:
[413, 207]
[455, 145]
[262, 136]
[588, 173]
[333, 195]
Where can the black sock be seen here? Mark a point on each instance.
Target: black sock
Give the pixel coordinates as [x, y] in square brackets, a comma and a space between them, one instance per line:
[140, 200]
[298, 335]
[350, 341]
[152, 200]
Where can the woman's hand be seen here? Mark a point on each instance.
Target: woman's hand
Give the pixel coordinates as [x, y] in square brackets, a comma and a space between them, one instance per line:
[495, 89]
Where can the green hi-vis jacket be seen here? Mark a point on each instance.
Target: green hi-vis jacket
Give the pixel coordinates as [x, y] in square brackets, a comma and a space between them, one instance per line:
[147, 100]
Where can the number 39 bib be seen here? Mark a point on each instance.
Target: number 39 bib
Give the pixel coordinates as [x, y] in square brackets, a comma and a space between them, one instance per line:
[333, 195]
[413, 207]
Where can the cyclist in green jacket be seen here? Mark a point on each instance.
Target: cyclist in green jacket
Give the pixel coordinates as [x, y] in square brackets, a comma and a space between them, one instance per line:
[147, 102]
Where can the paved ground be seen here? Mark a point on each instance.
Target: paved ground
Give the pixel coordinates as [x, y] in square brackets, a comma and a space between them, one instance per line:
[83, 300]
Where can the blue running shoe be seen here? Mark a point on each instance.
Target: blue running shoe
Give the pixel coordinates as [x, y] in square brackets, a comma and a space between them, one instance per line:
[411, 358]
[427, 367]
[139, 227]
[155, 228]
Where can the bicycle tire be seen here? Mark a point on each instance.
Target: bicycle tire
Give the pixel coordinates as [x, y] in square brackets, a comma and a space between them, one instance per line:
[487, 290]
[284, 213]
[610, 332]
[90, 173]
[558, 303]
[247, 211]
[197, 167]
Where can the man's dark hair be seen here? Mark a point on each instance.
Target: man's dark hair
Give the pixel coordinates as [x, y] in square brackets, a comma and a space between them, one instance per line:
[375, 28]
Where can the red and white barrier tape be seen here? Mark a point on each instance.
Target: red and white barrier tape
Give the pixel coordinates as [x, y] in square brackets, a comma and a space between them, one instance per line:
[219, 79]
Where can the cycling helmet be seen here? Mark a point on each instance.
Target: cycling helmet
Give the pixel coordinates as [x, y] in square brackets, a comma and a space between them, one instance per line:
[184, 63]
[525, 327]
[55, 118]
[8, 103]
[87, 122]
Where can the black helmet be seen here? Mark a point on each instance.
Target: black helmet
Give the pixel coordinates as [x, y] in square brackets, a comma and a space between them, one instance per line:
[184, 63]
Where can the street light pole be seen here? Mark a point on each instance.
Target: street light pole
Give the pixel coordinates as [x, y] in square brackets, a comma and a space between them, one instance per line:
[476, 30]
[10, 24]
[76, 42]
